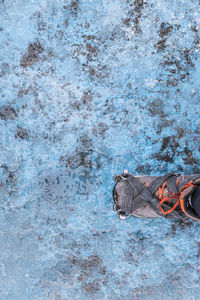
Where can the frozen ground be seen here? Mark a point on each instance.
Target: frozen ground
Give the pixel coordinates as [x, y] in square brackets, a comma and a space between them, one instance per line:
[89, 88]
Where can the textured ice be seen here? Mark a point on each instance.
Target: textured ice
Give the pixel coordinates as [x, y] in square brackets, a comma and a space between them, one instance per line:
[89, 88]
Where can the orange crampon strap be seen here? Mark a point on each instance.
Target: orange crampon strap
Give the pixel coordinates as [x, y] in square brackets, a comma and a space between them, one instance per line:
[174, 196]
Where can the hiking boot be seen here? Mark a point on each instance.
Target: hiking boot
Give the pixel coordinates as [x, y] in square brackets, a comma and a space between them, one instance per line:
[169, 196]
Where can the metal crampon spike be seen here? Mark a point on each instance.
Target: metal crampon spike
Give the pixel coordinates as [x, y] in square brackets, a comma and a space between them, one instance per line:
[125, 172]
[122, 217]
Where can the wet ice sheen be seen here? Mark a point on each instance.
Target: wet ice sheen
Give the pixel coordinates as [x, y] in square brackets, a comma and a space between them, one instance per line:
[89, 88]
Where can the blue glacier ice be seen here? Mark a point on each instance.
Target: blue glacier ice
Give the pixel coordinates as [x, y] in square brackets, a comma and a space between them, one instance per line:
[89, 88]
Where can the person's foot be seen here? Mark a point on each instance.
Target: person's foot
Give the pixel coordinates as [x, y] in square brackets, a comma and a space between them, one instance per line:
[194, 201]
[168, 196]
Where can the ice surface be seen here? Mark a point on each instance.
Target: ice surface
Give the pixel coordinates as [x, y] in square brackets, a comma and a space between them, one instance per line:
[89, 88]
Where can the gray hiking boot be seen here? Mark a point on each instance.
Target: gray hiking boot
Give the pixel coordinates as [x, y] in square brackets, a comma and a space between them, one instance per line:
[169, 196]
